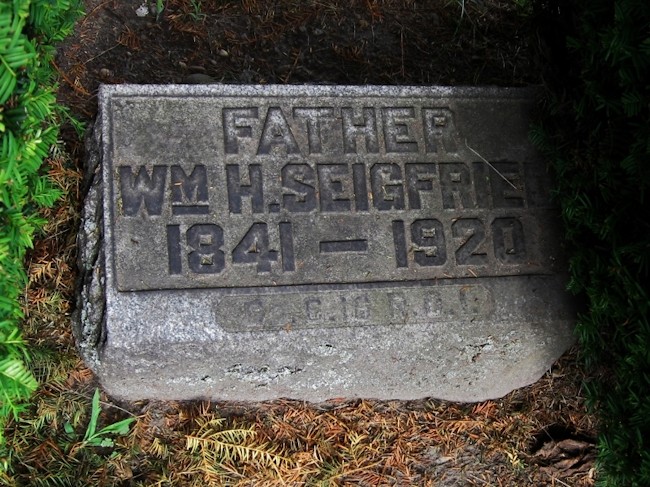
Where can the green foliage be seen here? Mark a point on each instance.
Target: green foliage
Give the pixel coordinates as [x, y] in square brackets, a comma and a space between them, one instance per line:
[28, 130]
[101, 437]
[196, 14]
[597, 133]
[160, 6]
[58, 441]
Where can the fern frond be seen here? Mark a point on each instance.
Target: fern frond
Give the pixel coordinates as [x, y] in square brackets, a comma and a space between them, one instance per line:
[13, 370]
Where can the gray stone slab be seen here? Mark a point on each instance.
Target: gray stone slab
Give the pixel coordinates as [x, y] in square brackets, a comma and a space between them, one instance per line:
[256, 242]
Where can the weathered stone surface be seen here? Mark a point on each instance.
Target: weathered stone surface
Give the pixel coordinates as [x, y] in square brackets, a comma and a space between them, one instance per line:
[255, 242]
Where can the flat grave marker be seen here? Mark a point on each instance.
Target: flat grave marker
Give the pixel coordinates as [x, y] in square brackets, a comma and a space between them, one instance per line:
[256, 242]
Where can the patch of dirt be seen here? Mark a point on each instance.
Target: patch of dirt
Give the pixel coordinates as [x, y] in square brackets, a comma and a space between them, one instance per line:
[539, 435]
[394, 42]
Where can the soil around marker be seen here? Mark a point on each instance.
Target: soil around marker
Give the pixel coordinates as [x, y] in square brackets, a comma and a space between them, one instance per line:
[393, 42]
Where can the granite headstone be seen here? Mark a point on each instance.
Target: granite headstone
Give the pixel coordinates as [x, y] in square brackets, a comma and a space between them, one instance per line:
[310, 242]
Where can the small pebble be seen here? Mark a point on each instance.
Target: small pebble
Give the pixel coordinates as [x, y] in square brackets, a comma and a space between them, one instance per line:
[105, 73]
[199, 79]
[142, 10]
[223, 53]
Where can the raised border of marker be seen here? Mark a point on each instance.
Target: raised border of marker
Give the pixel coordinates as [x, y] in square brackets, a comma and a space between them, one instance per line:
[310, 242]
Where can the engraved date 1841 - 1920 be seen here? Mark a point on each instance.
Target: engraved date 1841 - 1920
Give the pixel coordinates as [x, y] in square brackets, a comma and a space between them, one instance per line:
[201, 248]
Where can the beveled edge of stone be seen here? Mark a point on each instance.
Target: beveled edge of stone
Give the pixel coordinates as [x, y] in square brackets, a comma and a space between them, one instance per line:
[106, 91]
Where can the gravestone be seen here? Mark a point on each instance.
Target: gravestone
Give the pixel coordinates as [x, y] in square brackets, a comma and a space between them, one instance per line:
[311, 242]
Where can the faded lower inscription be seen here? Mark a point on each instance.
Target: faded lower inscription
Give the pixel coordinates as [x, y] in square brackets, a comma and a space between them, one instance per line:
[360, 307]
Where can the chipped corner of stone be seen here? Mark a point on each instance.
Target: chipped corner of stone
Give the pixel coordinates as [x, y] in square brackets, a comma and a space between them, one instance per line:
[89, 320]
